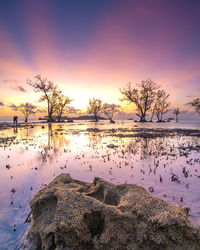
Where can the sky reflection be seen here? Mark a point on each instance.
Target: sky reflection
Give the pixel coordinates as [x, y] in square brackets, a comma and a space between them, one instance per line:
[35, 155]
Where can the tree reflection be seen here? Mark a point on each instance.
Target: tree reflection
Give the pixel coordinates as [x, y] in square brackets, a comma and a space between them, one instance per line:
[95, 138]
[56, 143]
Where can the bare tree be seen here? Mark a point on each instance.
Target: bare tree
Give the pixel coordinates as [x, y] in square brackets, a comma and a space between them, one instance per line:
[143, 96]
[162, 104]
[95, 107]
[196, 104]
[61, 103]
[27, 110]
[53, 99]
[109, 111]
[176, 112]
[50, 92]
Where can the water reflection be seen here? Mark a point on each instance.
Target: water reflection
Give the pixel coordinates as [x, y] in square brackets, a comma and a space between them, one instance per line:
[56, 142]
[15, 130]
[169, 167]
[95, 138]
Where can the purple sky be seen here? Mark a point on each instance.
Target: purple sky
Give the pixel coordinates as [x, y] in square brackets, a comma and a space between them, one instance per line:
[91, 48]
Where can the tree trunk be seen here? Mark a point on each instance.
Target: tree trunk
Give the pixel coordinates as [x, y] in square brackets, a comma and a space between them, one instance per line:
[96, 118]
[161, 117]
[111, 121]
[151, 117]
[60, 115]
[50, 116]
[142, 118]
[48, 110]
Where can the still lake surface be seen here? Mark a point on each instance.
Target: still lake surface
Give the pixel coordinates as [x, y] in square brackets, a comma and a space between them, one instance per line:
[30, 157]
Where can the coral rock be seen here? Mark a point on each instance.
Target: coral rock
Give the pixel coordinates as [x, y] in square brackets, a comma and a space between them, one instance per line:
[70, 214]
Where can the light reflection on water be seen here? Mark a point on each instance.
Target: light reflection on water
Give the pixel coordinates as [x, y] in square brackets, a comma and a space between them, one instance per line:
[169, 165]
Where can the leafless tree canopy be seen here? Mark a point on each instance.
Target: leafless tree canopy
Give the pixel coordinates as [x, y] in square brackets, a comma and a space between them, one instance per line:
[60, 106]
[50, 93]
[95, 107]
[196, 105]
[143, 96]
[109, 110]
[161, 104]
[27, 110]
[41, 84]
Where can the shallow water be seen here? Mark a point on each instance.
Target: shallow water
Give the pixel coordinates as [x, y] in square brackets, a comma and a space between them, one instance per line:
[33, 156]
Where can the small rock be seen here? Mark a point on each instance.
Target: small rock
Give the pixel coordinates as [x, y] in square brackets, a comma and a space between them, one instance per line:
[112, 146]
[8, 166]
[151, 189]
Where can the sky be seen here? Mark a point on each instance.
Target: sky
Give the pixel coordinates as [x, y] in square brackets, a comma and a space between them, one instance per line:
[91, 48]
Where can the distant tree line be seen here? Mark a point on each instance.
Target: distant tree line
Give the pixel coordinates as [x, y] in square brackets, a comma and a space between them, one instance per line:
[148, 97]
[96, 107]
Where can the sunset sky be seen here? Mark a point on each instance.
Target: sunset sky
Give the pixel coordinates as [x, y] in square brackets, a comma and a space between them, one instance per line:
[90, 48]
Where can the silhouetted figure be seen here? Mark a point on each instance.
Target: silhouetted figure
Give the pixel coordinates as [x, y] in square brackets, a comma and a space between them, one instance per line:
[15, 118]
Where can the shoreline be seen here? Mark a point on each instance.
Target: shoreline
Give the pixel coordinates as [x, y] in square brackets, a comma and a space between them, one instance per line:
[135, 131]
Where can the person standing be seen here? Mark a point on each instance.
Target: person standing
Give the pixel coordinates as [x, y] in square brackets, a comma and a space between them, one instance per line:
[15, 118]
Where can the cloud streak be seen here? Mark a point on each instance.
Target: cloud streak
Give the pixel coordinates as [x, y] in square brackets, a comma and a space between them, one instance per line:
[13, 107]
[19, 88]
[126, 41]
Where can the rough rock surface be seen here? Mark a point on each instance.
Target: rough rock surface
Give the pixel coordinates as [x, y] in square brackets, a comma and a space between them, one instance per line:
[70, 214]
